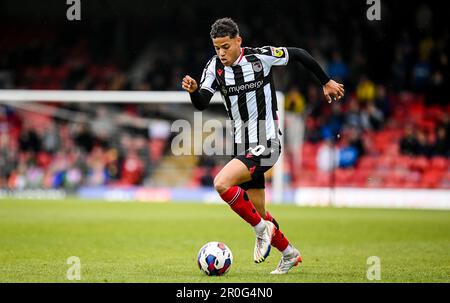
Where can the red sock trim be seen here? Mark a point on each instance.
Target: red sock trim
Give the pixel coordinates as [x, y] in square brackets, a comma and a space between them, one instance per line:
[230, 195]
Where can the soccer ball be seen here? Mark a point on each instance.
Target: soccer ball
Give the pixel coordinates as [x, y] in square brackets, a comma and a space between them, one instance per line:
[214, 259]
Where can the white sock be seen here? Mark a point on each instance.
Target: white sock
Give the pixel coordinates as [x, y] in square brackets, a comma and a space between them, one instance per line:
[260, 227]
[288, 250]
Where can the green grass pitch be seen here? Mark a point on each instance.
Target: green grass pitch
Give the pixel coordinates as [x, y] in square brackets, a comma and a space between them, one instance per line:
[158, 242]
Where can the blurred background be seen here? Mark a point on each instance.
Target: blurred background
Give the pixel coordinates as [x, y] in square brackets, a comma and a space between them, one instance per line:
[391, 130]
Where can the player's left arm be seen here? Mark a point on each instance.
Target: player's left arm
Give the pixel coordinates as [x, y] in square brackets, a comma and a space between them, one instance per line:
[331, 89]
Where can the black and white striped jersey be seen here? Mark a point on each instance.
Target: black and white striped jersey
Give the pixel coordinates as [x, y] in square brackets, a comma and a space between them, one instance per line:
[248, 92]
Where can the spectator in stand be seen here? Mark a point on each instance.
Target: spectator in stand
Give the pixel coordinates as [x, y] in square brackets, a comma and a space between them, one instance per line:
[353, 116]
[58, 169]
[355, 141]
[207, 179]
[34, 176]
[207, 162]
[358, 65]
[348, 156]
[97, 173]
[132, 169]
[382, 101]
[29, 140]
[365, 91]
[84, 138]
[399, 70]
[112, 164]
[8, 159]
[314, 102]
[437, 91]
[50, 140]
[424, 148]
[409, 144]
[17, 179]
[104, 125]
[421, 73]
[4, 125]
[294, 101]
[327, 156]
[445, 123]
[337, 69]
[336, 119]
[441, 146]
[373, 118]
[312, 132]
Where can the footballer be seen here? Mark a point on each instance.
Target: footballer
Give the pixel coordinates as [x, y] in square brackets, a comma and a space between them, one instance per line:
[243, 76]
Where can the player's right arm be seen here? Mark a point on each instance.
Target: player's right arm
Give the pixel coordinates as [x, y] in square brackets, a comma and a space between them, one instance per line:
[201, 96]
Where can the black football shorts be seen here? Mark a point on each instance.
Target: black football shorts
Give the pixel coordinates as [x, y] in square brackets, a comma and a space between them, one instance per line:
[258, 160]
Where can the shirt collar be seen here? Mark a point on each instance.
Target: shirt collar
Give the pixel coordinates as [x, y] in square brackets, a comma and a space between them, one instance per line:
[240, 57]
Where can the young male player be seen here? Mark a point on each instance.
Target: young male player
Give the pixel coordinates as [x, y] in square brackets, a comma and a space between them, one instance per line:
[244, 78]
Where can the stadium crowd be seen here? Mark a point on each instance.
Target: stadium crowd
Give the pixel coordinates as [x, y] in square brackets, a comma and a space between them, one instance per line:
[392, 124]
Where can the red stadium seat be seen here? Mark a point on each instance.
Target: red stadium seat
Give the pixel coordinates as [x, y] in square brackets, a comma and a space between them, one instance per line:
[426, 125]
[439, 163]
[432, 179]
[381, 140]
[367, 162]
[362, 177]
[419, 164]
[386, 162]
[60, 73]
[309, 162]
[392, 149]
[435, 113]
[403, 162]
[306, 178]
[323, 179]
[445, 182]
[342, 177]
[43, 159]
[308, 148]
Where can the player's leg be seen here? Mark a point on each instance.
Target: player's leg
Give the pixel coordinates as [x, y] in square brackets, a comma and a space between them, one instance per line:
[233, 173]
[290, 255]
[258, 198]
[226, 184]
[279, 240]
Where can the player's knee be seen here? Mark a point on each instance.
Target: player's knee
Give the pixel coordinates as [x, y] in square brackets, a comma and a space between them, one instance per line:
[220, 185]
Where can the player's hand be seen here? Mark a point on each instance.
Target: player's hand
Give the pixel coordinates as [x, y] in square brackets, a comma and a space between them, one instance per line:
[333, 91]
[189, 84]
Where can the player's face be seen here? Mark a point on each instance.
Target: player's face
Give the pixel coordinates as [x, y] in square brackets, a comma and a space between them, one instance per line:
[228, 49]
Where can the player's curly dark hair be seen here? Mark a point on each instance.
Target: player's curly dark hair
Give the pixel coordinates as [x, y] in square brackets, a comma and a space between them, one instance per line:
[224, 27]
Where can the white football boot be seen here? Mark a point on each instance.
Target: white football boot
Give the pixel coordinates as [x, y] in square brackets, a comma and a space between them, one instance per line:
[262, 244]
[287, 262]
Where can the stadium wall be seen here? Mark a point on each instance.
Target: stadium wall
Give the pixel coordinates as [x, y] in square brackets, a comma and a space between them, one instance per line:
[311, 197]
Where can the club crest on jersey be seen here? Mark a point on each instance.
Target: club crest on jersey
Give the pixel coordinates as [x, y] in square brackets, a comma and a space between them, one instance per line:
[277, 52]
[220, 72]
[257, 66]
